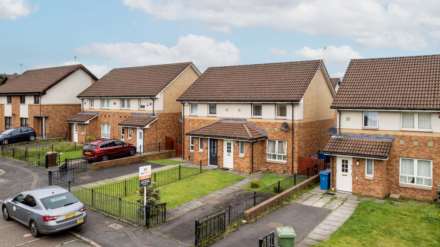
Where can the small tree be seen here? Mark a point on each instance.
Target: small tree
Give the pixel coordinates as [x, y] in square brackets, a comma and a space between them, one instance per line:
[153, 197]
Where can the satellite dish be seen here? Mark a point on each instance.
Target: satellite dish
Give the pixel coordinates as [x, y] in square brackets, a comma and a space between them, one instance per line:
[285, 127]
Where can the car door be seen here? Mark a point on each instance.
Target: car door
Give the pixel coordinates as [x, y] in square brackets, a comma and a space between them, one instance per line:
[120, 149]
[29, 206]
[17, 210]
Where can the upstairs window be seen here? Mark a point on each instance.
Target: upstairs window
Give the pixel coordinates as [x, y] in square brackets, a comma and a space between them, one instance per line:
[416, 121]
[8, 99]
[22, 100]
[257, 110]
[281, 110]
[370, 120]
[125, 103]
[193, 109]
[36, 99]
[8, 121]
[92, 103]
[212, 109]
[105, 103]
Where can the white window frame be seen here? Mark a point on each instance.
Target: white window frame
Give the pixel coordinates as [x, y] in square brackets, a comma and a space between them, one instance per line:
[277, 111]
[209, 108]
[277, 154]
[193, 109]
[200, 144]
[415, 164]
[122, 133]
[105, 103]
[191, 144]
[416, 121]
[370, 176]
[105, 130]
[125, 103]
[253, 112]
[92, 103]
[363, 120]
[240, 146]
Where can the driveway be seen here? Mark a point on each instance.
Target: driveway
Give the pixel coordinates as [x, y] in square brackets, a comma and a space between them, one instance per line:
[17, 176]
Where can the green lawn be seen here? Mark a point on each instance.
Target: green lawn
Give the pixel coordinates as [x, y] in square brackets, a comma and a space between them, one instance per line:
[268, 182]
[191, 188]
[166, 162]
[389, 223]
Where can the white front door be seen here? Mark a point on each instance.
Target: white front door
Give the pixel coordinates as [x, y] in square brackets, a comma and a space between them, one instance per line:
[75, 132]
[140, 140]
[228, 154]
[343, 174]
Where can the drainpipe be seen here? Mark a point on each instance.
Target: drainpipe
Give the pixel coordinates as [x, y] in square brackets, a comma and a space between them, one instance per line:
[339, 121]
[183, 132]
[293, 138]
[154, 114]
[252, 157]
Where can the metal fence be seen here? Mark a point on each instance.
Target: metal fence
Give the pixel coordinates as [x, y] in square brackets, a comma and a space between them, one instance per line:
[35, 152]
[267, 241]
[65, 175]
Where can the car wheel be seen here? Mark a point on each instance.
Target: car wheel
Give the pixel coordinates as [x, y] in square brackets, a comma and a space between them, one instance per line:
[5, 214]
[32, 138]
[34, 229]
[104, 158]
[5, 142]
[132, 152]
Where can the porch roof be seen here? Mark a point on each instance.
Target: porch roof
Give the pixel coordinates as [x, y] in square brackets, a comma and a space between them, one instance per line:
[377, 147]
[231, 128]
[82, 117]
[138, 120]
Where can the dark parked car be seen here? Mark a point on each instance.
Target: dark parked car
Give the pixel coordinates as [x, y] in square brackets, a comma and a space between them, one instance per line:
[106, 149]
[17, 135]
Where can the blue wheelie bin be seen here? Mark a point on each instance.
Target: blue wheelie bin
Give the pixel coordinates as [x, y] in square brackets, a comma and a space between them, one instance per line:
[324, 179]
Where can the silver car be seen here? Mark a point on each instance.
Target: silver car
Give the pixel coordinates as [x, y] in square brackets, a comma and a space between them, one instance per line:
[46, 210]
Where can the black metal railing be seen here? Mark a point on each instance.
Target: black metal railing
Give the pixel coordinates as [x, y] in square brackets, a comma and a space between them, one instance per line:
[208, 229]
[267, 241]
[65, 175]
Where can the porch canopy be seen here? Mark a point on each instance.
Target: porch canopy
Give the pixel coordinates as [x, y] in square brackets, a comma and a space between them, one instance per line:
[138, 120]
[82, 117]
[366, 146]
[231, 129]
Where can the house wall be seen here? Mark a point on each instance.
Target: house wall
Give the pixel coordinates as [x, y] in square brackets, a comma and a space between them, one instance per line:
[176, 88]
[56, 118]
[390, 121]
[66, 91]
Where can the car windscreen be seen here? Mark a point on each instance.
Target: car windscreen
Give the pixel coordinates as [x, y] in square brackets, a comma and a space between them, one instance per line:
[58, 201]
[89, 147]
[7, 132]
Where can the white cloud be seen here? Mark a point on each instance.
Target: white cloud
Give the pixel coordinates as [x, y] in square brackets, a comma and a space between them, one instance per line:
[12, 9]
[405, 24]
[332, 55]
[203, 51]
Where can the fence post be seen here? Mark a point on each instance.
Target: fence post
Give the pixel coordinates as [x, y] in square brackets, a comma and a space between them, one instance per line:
[197, 237]
[147, 216]
[294, 179]
[279, 186]
[52, 147]
[13, 152]
[229, 214]
[255, 198]
[200, 164]
[125, 187]
[49, 174]
[69, 184]
[180, 172]
[154, 178]
[93, 198]
[159, 146]
[120, 207]
[26, 153]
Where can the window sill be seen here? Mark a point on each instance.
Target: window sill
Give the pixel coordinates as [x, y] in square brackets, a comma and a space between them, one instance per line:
[277, 161]
[414, 186]
[370, 128]
[241, 156]
[369, 177]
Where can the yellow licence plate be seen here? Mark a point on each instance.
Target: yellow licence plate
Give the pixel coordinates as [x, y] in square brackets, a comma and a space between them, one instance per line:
[80, 221]
[69, 215]
[87, 153]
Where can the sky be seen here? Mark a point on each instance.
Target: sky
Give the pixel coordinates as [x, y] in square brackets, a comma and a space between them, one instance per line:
[104, 34]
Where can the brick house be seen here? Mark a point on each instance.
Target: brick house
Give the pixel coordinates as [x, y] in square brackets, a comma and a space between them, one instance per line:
[134, 104]
[43, 99]
[258, 117]
[388, 140]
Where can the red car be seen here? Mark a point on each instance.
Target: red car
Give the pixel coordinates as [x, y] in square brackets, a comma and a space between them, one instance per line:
[106, 149]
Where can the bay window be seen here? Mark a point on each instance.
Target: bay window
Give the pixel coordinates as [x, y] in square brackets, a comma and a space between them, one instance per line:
[276, 150]
[416, 172]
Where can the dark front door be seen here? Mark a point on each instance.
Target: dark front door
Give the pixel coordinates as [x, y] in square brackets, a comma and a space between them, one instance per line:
[213, 152]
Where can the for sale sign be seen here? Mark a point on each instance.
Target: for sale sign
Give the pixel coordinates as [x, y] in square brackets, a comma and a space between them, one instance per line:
[144, 175]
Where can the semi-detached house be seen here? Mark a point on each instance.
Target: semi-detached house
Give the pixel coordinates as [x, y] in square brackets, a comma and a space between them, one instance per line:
[135, 104]
[389, 128]
[258, 117]
[43, 99]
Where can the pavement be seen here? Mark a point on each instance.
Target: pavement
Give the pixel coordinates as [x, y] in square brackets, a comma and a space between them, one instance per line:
[17, 176]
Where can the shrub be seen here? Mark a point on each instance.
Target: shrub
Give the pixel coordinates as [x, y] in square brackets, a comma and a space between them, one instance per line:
[255, 184]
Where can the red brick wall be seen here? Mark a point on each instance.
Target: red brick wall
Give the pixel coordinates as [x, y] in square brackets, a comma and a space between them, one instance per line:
[15, 112]
[2, 117]
[376, 186]
[57, 115]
